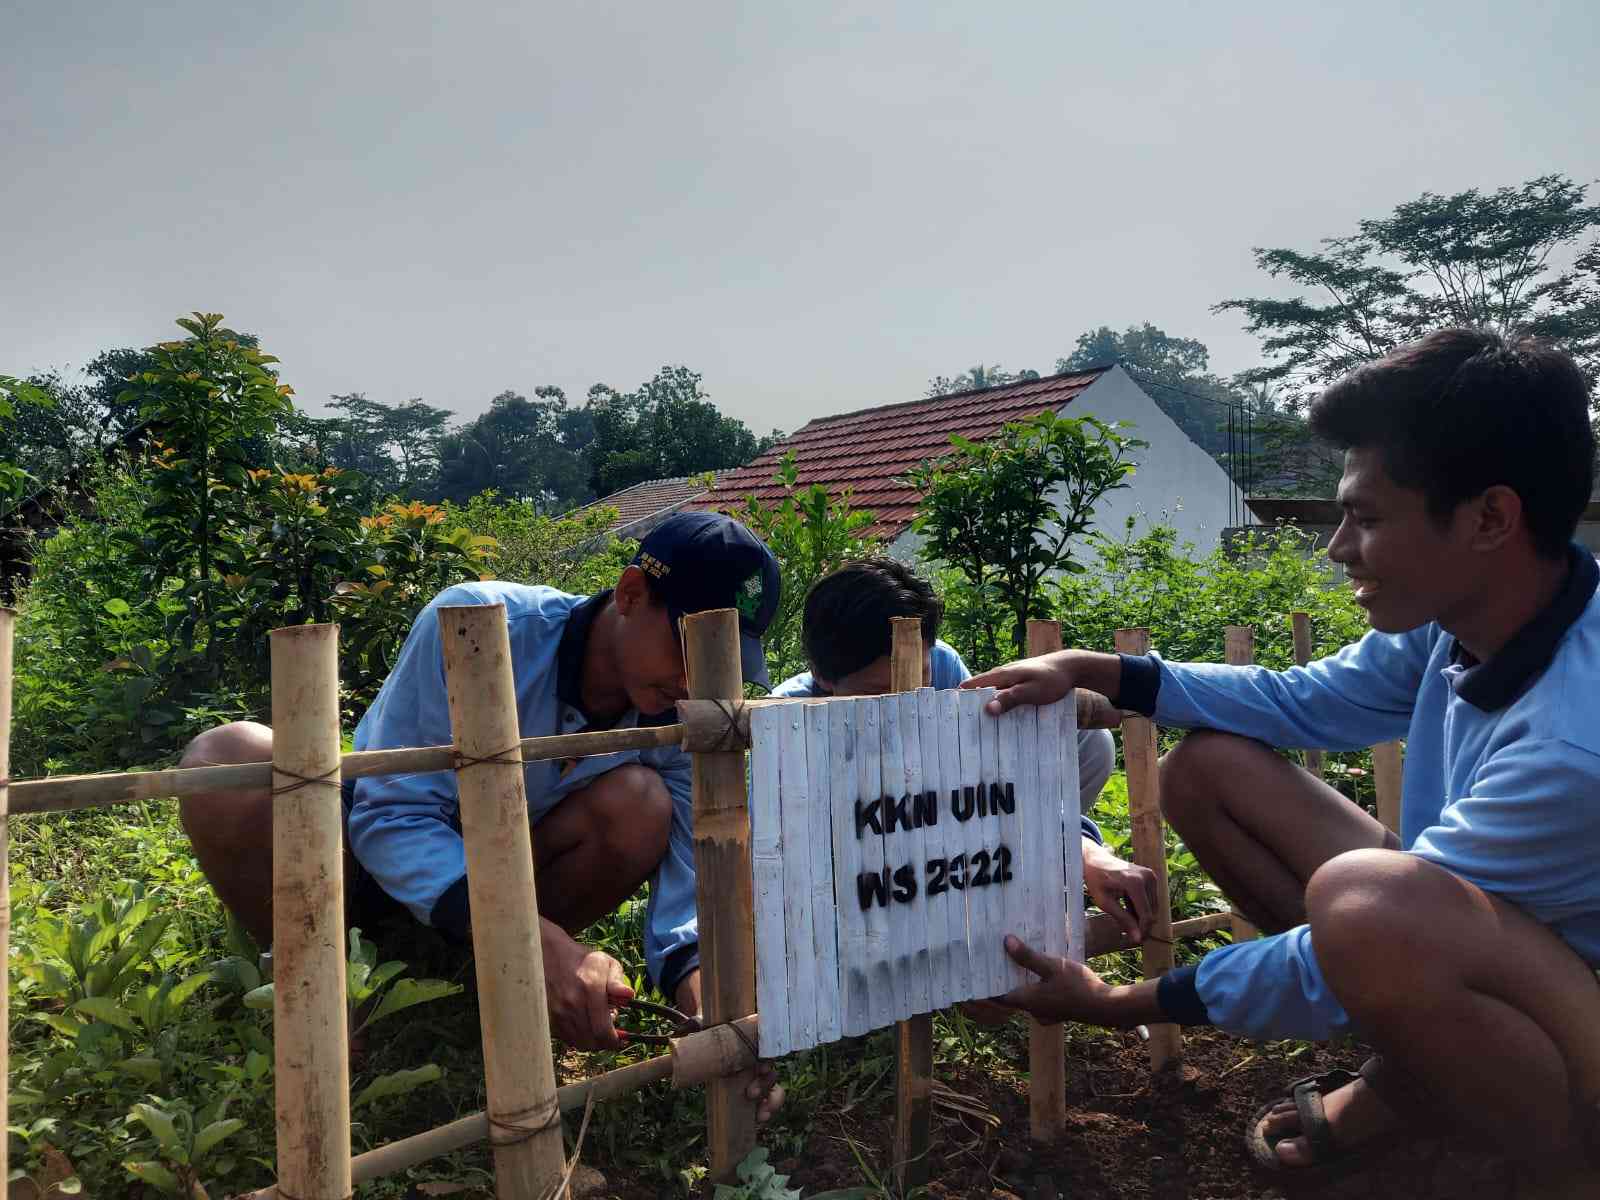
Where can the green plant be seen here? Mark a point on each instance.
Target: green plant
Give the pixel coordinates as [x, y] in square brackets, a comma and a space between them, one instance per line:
[1005, 512]
[810, 534]
[184, 1141]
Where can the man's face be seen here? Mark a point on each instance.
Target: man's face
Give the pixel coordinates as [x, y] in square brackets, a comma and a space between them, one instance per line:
[651, 660]
[1406, 568]
[874, 679]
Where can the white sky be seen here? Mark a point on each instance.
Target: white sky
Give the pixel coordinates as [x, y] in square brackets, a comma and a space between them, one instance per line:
[818, 205]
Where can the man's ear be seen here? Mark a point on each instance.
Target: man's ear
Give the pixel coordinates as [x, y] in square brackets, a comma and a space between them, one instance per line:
[633, 591]
[1497, 519]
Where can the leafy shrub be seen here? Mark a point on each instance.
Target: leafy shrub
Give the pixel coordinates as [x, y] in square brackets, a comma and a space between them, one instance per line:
[810, 534]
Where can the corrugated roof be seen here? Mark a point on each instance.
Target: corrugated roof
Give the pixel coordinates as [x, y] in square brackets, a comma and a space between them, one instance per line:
[871, 450]
[648, 498]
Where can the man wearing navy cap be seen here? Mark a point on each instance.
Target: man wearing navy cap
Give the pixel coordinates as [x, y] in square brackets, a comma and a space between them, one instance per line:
[603, 825]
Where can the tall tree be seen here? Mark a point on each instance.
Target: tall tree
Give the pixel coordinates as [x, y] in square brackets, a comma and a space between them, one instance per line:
[1471, 258]
[666, 428]
[531, 450]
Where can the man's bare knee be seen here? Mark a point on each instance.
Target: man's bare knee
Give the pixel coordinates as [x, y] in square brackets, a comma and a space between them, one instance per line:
[217, 812]
[235, 742]
[1194, 774]
[632, 818]
[1368, 909]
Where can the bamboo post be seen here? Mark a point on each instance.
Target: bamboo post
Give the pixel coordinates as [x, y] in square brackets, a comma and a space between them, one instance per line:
[1386, 779]
[308, 931]
[519, 1073]
[1047, 1044]
[913, 1094]
[1239, 650]
[722, 882]
[1149, 846]
[7, 628]
[1301, 624]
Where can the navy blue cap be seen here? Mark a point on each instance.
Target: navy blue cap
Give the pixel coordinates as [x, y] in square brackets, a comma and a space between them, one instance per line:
[699, 561]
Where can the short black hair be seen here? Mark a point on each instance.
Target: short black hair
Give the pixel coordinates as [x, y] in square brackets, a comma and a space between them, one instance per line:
[1463, 410]
[847, 613]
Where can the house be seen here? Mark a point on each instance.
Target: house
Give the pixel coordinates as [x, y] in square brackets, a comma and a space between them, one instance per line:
[643, 506]
[870, 452]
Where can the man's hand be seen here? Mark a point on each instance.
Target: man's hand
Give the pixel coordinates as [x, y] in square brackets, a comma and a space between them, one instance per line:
[1111, 881]
[1066, 991]
[584, 988]
[1047, 678]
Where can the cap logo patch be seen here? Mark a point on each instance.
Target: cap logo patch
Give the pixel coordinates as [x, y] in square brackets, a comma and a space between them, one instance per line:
[654, 566]
[748, 599]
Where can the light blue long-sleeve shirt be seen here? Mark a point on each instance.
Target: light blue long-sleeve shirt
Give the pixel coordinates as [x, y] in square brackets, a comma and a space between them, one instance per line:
[1501, 782]
[1097, 753]
[405, 829]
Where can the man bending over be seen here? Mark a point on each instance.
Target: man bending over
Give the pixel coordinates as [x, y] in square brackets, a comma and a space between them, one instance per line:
[602, 825]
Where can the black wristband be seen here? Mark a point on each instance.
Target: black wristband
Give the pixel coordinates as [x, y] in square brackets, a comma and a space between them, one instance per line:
[1139, 684]
[1179, 999]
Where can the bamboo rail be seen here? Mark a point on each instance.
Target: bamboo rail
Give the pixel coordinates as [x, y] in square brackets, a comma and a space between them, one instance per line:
[1149, 846]
[723, 898]
[508, 955]
[1047, 1044]
[1239, 650]
[308, 930]
[913, 1092]
[1300, 627]
[8, 620]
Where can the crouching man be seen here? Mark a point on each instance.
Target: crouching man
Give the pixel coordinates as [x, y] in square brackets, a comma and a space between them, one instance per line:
[1464, 950]
[602, 825]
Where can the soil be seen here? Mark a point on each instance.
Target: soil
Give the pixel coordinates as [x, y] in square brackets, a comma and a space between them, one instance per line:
[1177, 1136]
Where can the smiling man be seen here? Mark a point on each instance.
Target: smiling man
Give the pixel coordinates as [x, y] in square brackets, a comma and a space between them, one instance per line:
[1464, 950]
[602, 825]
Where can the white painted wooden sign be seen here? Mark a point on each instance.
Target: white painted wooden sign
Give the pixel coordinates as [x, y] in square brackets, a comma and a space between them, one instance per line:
[895, 841]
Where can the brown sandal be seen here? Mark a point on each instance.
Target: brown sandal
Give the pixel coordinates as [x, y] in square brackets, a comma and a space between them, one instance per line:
[1330, 1161]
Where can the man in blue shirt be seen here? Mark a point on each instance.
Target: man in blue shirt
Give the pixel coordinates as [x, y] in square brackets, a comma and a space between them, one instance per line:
[1464, 950]
[603, 825]
[845, 630]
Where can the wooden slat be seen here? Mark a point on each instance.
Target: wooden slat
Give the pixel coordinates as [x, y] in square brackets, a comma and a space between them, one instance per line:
[855, 1007]
[941, 995]
[799, 941]
[1149, 846]
[955, 902]
[767, 881]
[881, 991]
[824, 918]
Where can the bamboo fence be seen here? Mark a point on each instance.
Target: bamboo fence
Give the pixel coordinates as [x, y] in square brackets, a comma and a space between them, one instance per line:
[523, 1120]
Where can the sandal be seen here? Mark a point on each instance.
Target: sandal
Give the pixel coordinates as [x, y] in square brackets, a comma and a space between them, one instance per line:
[1329, 1160]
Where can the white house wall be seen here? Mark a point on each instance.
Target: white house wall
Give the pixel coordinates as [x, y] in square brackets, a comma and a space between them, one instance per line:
[1176, 482]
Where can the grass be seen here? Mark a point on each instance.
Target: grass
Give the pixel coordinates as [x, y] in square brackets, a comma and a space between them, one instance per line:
[93, 1057]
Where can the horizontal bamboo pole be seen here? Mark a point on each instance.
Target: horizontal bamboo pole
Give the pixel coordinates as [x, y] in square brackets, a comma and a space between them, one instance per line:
[469, 1131]
[66, 792]
[703, 726]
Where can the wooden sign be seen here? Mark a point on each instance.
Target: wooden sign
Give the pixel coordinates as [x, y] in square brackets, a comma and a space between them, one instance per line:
[895, 840]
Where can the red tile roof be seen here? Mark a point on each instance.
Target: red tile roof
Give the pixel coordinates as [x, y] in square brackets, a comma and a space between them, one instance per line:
[871, 450]
[648, 498]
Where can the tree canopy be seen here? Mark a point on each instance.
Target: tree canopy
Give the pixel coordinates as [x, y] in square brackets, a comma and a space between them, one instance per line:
[1498, 259]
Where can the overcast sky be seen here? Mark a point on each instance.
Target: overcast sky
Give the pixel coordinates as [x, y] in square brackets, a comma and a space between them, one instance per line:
[817, 205]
